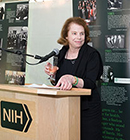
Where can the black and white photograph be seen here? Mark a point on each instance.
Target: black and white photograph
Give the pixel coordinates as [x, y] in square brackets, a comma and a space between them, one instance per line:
[115, 41]
[22, 12]
[87, 10]
[17, 38]
[14, 77]
[114, 4]
[2, 11]
[108, 74]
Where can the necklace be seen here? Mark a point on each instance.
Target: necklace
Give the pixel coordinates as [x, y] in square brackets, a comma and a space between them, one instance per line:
[72, 61]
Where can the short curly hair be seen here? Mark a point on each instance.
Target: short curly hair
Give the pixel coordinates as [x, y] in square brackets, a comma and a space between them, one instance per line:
[64, 32]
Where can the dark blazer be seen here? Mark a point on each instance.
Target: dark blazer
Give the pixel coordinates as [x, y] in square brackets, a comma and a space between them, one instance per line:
[89, 67]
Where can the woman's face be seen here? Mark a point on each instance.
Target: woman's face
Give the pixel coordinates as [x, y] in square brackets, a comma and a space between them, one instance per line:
[76, 35]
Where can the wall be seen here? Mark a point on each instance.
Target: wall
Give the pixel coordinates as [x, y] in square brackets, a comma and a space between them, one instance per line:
[45, 22]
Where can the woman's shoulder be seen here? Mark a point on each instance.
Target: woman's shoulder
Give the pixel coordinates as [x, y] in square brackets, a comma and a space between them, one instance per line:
[91, 52]
[90, 49]
[62, 52]
[64, 48]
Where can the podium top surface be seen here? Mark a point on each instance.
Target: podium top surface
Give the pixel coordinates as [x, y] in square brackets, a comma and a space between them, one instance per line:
[44, 91]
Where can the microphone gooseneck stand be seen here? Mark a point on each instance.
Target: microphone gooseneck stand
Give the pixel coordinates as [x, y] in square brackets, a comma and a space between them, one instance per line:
[18, 52]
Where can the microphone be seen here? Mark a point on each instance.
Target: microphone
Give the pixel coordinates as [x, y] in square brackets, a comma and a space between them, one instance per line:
[46, 57]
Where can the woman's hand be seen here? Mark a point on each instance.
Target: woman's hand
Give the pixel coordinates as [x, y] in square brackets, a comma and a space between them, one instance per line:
[65, 82]
[49, 69]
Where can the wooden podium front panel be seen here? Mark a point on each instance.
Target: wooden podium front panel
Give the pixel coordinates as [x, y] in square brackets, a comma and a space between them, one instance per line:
[60, 117]
[53, 117]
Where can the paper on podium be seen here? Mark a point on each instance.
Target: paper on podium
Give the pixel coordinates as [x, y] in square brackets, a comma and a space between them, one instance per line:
[41, 86]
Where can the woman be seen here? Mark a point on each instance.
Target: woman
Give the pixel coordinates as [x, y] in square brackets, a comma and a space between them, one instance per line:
[80, 65]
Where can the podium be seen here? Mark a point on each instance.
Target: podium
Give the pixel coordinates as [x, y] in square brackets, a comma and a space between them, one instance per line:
[40, 114]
